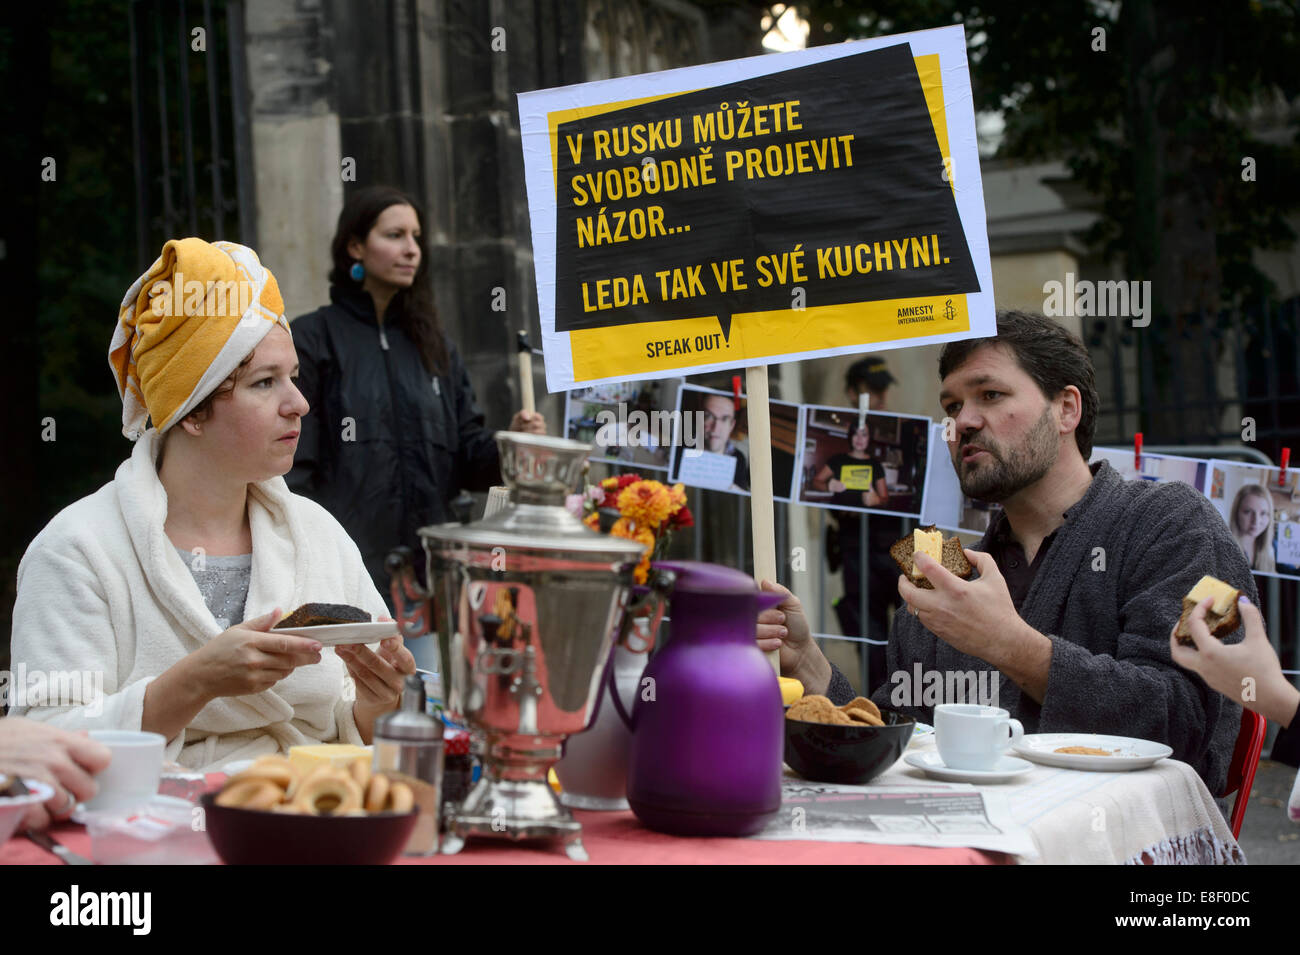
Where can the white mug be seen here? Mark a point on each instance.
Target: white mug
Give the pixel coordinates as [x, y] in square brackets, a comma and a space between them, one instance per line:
[132, 775]
[973, 737]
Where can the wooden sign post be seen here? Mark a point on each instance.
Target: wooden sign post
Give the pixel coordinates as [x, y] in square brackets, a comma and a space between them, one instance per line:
[760, 483]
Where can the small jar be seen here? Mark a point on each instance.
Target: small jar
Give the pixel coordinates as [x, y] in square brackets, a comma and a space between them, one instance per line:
[458, 768]
[408, 746]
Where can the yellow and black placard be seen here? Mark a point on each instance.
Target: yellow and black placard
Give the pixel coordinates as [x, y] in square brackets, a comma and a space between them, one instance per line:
[799, 211]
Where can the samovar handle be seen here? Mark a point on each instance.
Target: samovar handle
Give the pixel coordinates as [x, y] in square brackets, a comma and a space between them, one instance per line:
[403, 587]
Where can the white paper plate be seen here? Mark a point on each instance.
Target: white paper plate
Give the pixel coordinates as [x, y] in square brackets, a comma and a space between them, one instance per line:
[930, 763]
[340, 634]
[1125, 752]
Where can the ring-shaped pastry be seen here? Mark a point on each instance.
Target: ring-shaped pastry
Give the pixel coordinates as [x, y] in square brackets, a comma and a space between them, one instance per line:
[328, 794]
[377, 793]
[402, 797]
[273, 771]
[250, 794]
[360, 770]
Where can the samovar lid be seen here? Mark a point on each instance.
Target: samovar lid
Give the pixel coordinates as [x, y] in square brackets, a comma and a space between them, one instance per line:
[535, 527]
[540, 471]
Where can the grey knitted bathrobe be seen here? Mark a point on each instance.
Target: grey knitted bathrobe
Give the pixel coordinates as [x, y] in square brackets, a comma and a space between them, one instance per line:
[1111, 671]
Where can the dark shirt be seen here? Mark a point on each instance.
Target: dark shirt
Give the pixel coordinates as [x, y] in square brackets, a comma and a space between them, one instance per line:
[1010, 558]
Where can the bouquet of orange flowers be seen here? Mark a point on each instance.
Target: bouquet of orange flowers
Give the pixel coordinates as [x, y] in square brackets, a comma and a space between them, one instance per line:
[648, 513]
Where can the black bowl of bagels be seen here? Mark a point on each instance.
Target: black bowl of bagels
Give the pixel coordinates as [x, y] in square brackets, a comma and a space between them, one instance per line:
[854, 748]
[270, 814]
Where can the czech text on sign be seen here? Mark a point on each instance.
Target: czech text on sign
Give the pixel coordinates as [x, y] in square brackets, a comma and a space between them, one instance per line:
[742, 212]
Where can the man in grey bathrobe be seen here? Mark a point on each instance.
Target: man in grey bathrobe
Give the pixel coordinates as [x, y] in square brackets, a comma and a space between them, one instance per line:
[1078, 581]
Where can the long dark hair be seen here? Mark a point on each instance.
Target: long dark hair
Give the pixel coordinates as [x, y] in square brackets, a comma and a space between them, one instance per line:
[411, 309]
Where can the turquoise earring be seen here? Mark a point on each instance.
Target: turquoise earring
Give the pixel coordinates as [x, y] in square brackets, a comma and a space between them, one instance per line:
[358, 271]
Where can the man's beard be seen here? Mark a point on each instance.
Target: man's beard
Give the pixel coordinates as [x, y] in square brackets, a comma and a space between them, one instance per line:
[1009, 471]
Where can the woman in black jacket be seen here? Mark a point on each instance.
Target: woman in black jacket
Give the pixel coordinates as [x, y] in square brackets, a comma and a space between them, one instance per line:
[394, 431]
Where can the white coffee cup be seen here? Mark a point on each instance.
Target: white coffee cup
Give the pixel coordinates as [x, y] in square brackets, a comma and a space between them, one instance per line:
[132, 775]
[973, 737]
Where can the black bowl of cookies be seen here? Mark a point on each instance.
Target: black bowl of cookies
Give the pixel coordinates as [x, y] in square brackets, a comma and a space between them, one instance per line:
[853, 743]
[272, 813]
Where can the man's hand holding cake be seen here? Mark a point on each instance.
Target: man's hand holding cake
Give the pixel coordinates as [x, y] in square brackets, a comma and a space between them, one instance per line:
[978, 617]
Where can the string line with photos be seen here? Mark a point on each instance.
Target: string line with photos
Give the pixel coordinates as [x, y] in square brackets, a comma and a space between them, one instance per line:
[694, 435]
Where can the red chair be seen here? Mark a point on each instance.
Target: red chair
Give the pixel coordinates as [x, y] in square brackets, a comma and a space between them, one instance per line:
[1245, 760]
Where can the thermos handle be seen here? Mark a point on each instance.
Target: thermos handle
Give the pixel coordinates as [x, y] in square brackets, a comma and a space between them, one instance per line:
[656, 599]
[616, 698]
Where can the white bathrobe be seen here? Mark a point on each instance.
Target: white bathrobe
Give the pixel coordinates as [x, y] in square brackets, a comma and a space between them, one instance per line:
[101, 589]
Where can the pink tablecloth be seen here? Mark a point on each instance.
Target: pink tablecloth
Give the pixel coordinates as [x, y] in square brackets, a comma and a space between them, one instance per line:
[610, 838]
[613, 839]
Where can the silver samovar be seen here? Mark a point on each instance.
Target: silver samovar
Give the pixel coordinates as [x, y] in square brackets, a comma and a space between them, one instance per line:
[526, 604]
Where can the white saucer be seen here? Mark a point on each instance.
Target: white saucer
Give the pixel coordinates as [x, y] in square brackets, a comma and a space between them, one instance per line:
[339, 634]
[1008, 767]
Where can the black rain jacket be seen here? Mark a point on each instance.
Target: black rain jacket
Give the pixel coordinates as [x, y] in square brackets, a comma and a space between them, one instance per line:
[385, 446]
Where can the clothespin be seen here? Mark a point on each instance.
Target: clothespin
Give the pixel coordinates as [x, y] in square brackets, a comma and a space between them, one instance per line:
[1137, 452]
[1281, 473]
[735, 391]
[864, 404]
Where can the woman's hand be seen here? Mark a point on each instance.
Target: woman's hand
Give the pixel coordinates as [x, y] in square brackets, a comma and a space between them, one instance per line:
[530, 421]
[243, 660]
[378, 677]
[1247, 672]
[785, 628]
[248, 658]
[836, 485]
[65, 760]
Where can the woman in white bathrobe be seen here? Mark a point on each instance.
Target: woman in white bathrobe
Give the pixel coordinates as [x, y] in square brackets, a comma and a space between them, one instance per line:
[112, 615]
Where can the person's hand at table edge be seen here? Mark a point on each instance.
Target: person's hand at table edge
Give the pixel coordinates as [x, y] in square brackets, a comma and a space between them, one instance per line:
[785, 628]
[1233, 669]
[66, 760]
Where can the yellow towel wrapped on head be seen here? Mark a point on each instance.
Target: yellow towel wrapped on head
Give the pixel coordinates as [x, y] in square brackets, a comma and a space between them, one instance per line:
[184, 327]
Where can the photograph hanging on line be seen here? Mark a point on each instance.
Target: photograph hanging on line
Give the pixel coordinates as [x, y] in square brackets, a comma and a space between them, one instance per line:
[1262, 515]
[1157, 468]
[711, 448]
[944, 504]
[628, 423]
[879, 467]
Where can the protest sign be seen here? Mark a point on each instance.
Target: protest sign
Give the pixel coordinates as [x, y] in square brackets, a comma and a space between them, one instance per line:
[788, 206]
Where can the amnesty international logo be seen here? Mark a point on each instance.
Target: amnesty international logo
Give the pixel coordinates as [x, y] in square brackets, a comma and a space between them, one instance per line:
[948, 311]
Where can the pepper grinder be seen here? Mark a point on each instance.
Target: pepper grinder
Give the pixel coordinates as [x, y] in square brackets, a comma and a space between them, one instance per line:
[408, 746]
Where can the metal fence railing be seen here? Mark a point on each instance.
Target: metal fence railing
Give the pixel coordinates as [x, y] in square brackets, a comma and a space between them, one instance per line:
[190, 117]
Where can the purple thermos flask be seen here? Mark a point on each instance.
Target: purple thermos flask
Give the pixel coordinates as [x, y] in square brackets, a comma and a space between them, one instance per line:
[707, 738]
